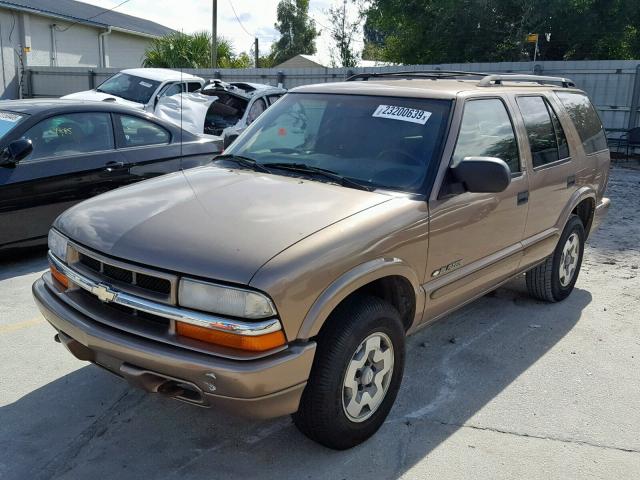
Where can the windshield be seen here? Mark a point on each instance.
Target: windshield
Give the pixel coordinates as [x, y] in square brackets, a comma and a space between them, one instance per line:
[129, 87]
[8, 120]
[381, 142]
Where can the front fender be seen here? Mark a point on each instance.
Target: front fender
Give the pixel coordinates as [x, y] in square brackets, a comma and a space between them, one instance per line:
[352, 280]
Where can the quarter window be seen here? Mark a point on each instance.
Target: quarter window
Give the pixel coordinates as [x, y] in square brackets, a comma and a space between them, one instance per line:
[486, 131]
[71, 134]
[586, 120]
[540, 131]
[139, 132]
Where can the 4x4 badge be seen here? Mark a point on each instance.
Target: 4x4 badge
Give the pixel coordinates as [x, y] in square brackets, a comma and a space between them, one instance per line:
[447, 268]
[104, 293]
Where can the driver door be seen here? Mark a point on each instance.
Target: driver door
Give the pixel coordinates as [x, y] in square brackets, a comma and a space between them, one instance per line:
[475, 238]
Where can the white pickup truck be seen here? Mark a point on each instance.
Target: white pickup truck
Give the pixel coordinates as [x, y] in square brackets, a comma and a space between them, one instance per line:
[141, 87]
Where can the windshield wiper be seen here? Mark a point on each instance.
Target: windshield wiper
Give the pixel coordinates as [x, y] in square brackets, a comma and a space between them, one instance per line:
[243, 161]
[309, 169]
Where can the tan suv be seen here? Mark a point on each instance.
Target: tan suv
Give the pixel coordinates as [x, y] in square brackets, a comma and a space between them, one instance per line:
[284, 277]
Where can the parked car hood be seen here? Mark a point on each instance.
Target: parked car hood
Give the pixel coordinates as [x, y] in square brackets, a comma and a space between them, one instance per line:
[99, 97]
[210, 222]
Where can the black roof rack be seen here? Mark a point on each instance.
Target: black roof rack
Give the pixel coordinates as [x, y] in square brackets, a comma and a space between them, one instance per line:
[435, 74]
[497, 79]
[486, 79]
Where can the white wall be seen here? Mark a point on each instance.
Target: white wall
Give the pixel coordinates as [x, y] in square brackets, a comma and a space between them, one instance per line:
[126, 50]
[76, 47]
[9, 40]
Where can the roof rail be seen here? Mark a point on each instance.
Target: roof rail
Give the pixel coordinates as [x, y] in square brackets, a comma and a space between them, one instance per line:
[497, 79]
[417, 74]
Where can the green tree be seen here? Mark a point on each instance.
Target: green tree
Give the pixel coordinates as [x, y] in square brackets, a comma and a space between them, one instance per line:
[344, 28]
[297, 30]
[446, 31]
[181, 50]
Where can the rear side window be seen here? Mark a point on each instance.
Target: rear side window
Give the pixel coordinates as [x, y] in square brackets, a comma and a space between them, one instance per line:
[586, 120]
[139, 132]
[546, 138]
[486, 131]
[71, 134]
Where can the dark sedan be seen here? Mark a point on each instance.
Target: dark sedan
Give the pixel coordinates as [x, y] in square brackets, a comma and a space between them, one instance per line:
[55, 153]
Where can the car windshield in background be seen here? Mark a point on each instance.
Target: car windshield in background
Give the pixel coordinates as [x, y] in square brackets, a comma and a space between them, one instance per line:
[8, 120]
[129, 87]
[380, 142]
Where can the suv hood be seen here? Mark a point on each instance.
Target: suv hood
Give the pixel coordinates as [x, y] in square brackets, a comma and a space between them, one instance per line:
[210, 222]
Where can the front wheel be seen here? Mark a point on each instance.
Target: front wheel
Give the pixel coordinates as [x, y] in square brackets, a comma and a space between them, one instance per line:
[356, 374]
[554, 279]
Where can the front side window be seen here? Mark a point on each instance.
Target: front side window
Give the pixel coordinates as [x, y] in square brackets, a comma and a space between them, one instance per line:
[139, 132]
[586, 120]
[540, 130]
[486, 131]
[380, 142]
[71, 134]
[258, 107]
[130, 87]
[173, 89]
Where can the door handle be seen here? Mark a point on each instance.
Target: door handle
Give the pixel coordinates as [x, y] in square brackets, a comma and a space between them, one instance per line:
[113, 166]
[523, 197]
[571, 181]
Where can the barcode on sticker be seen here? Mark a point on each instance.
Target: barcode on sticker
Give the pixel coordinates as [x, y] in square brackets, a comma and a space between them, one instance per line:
[406, 114]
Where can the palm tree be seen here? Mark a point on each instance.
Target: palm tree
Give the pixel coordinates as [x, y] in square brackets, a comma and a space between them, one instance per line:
[181, 50]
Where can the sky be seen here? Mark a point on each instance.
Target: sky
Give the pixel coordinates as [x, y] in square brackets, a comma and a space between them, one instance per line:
[257, 16]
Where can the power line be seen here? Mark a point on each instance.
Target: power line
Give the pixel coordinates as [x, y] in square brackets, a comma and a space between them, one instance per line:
[238, 19]
[94, 16]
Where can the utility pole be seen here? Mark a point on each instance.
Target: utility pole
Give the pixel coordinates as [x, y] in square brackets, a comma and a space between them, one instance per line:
[214, 34]
[256, 52]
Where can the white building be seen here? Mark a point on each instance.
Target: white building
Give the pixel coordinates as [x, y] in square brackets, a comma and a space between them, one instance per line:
[67, 33]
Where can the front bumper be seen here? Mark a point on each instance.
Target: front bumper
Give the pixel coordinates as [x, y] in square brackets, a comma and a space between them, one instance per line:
[601, 212]
[263, 388]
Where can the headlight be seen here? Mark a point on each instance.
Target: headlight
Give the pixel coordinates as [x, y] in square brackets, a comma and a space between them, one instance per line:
[234, 302]
[58, 245]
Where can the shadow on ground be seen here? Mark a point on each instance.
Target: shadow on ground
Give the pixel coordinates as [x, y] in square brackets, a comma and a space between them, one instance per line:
[17, 262]
[89, 424]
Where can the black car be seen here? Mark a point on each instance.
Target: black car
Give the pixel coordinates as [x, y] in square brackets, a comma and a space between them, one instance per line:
[55, 153]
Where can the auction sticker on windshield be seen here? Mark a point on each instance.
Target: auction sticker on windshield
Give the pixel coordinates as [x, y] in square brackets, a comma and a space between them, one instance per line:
[145, 84]
[402, 113]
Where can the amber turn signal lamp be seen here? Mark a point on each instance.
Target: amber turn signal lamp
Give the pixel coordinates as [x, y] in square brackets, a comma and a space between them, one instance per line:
[60, 277]
[258, 343]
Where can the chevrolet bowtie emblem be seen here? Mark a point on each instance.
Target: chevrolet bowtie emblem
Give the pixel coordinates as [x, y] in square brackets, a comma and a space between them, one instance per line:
[104, 293]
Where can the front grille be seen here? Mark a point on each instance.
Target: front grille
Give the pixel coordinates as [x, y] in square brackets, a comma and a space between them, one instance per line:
[129, 278]
[154, 284]
[89, 262]
[116, 273]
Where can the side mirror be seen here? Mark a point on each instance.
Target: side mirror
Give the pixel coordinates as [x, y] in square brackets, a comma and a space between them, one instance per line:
[16, 151]
[229, 139]
[483, 174]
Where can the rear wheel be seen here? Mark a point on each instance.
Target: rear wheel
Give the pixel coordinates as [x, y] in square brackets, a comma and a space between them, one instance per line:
[356, 374]
[554, 279]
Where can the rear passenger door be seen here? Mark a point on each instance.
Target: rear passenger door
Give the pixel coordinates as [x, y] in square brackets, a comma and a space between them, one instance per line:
[475, 238]
[147, 148]
[553, 175]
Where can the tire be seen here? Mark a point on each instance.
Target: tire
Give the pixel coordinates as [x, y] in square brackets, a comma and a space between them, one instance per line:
[343, 344]
[550, 281]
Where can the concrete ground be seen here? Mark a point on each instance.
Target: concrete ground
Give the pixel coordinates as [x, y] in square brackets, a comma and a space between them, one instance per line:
[506, 388]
